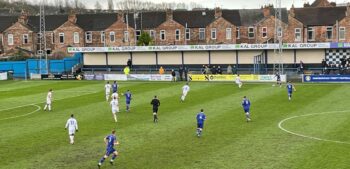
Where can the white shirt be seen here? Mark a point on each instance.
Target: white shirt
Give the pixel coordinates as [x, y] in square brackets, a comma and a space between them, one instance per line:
[114, 104]
[72, 124]
[49, 96]
[115, 95]
[238, 79]
[108, 88]
[186, 88]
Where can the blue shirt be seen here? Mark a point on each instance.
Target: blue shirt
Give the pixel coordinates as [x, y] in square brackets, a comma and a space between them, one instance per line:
[115, 87]
[246, 104]
[200, 118]
[128, 96]
[111, 139]
[290, 87]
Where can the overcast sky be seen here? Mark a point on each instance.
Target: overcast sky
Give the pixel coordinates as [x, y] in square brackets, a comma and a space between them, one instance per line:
[227, 4]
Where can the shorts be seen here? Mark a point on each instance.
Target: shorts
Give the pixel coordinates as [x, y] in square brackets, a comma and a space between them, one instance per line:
[290, 92]
[200, 125]
[71, 131]
[155, 110]
[246, 110]
[114, 111]
[107, 93]
[48, 101]
[128, 102]
[238, 82]
[110, 151]
[184, 94]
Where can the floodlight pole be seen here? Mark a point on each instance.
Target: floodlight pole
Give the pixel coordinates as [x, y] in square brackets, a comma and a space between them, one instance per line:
[42, 37]
[278, 40]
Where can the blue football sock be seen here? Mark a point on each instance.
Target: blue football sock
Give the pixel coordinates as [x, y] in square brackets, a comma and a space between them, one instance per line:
[114, 156]
[102, 160]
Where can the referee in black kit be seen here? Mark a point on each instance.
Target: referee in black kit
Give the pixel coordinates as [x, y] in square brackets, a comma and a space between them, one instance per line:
[156, 103]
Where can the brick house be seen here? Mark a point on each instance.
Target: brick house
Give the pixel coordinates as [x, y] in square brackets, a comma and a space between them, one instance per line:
[94, 26]
[68, 34]
[5, 22]
[170, 31]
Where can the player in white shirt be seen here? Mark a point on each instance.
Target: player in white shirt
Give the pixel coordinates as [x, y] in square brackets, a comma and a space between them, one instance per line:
[115, 95]
[115, 108]
[48, 100]
[238, 81]
[185, 90]
[108, 90]
[72, 126]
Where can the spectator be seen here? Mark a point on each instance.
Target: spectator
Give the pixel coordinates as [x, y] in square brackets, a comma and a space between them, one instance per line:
[234, 70]
[129, 63]
[126, 70]
[203, 69]
[219, 71]
[161, 70]
[213, 70]
[173, 74]
[324, 66]
[229, 69]
[301, 67]
[207, 70]
[181, 71]
[186, 72]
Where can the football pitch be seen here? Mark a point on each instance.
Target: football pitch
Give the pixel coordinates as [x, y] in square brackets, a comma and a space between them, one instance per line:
[310, 132]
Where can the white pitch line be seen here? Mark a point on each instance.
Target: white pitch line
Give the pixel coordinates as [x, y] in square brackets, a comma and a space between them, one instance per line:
[311, 137]
[13, 117]
[45, 101]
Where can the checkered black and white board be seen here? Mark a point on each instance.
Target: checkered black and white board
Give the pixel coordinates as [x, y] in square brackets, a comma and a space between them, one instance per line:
[334, 55]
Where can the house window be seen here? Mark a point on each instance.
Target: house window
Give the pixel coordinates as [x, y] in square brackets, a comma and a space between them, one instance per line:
[138, 34]
[126, 36]
[297, 34]
[342, 33]
[188, 34]
[201, 33]
[238, 33]
[112, 36]
[310, 33]
[103, 37]
[329, 32]
[251, 33]
[279, 32]
[152, 33]
[213, 33]
[10, 39]
[177, 34]
[88, 37]
[76, 37]
[228, 33]
[25, 39]
[264, 32]
[61, 35]
[162, 35]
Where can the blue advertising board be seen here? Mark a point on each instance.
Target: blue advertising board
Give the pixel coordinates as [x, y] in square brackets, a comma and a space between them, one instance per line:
[326, 78]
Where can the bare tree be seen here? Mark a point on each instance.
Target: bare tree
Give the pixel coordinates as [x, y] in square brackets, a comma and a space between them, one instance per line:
[98, 6]
[110, 6]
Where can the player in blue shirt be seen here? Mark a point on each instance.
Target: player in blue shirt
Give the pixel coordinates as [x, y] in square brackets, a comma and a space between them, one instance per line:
[128, 100]
[115, 87]
[110, 141]
[246, 107]
[290, 88]
[200, 122]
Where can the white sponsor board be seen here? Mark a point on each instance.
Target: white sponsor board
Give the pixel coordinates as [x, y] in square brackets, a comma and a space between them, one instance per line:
[198, 47]
[34, 76]
[149, 77]
[271, 78]
[3, 76]
[121, 77]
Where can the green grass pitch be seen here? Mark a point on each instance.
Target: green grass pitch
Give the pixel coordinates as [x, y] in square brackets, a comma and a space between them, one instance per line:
[317, 120]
